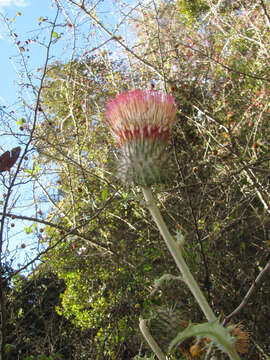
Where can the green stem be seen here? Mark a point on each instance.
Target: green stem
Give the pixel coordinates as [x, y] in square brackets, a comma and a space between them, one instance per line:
[182, 266]
[176, 254]
[151, 341]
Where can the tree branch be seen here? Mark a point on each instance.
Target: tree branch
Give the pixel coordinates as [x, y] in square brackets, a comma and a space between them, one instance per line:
[248, 294]
[113, 37]
[265, 12]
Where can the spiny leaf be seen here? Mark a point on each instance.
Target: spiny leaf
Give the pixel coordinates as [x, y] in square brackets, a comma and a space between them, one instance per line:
[165, 324]
[219, 335]
[163, 279]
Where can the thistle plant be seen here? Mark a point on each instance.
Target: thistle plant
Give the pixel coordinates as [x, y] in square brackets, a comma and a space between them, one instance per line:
[141, 122]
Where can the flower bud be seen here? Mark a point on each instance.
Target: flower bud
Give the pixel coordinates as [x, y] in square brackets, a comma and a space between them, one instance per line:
[141, 123]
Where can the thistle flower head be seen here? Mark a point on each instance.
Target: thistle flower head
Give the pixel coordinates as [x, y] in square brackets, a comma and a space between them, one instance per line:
[141, 123]
[141, 114]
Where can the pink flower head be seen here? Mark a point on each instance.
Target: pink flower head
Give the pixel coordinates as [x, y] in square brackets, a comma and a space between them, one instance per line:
[141, 114]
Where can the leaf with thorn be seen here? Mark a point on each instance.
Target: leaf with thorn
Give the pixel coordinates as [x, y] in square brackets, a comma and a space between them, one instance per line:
[220, 336]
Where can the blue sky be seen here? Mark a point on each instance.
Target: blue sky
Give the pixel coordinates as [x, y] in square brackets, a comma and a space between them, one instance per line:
[27, 25]
[24, 25]
[23, 16]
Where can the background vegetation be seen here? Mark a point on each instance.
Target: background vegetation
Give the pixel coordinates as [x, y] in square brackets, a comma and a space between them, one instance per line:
[92, 252]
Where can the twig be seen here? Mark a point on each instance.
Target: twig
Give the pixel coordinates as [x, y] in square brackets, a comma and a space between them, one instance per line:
[248, 294]
[121, 43]
[260, 350]
[265, 12]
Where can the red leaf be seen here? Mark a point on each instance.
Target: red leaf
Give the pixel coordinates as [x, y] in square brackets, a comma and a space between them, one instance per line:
[8, 159]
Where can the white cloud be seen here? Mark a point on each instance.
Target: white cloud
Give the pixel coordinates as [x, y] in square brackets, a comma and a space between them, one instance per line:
[5, 3]
[18, 3]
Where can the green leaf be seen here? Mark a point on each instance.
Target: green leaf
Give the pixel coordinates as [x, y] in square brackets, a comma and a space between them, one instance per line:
[9, 347]
[36, 170]
[42, 357]
[28, 230]
[55, 35]
[147, 267]
[219, 335]
[164, 279]
[56, 356]
[104, 194]
[21, 121]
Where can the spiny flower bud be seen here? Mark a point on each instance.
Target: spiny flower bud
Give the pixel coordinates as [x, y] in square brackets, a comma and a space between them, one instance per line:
[141, 123]
[165, 325]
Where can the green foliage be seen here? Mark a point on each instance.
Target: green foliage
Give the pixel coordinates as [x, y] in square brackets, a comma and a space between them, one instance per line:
[34, 325]
[192, 9]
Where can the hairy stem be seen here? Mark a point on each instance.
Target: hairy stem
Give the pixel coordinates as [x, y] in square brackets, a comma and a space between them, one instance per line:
[177, 255]
[151, 341]
[182, 266]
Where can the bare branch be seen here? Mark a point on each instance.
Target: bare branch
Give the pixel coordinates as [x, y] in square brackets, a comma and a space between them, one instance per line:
[248, 294]
[115, 38]
[265, 12]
